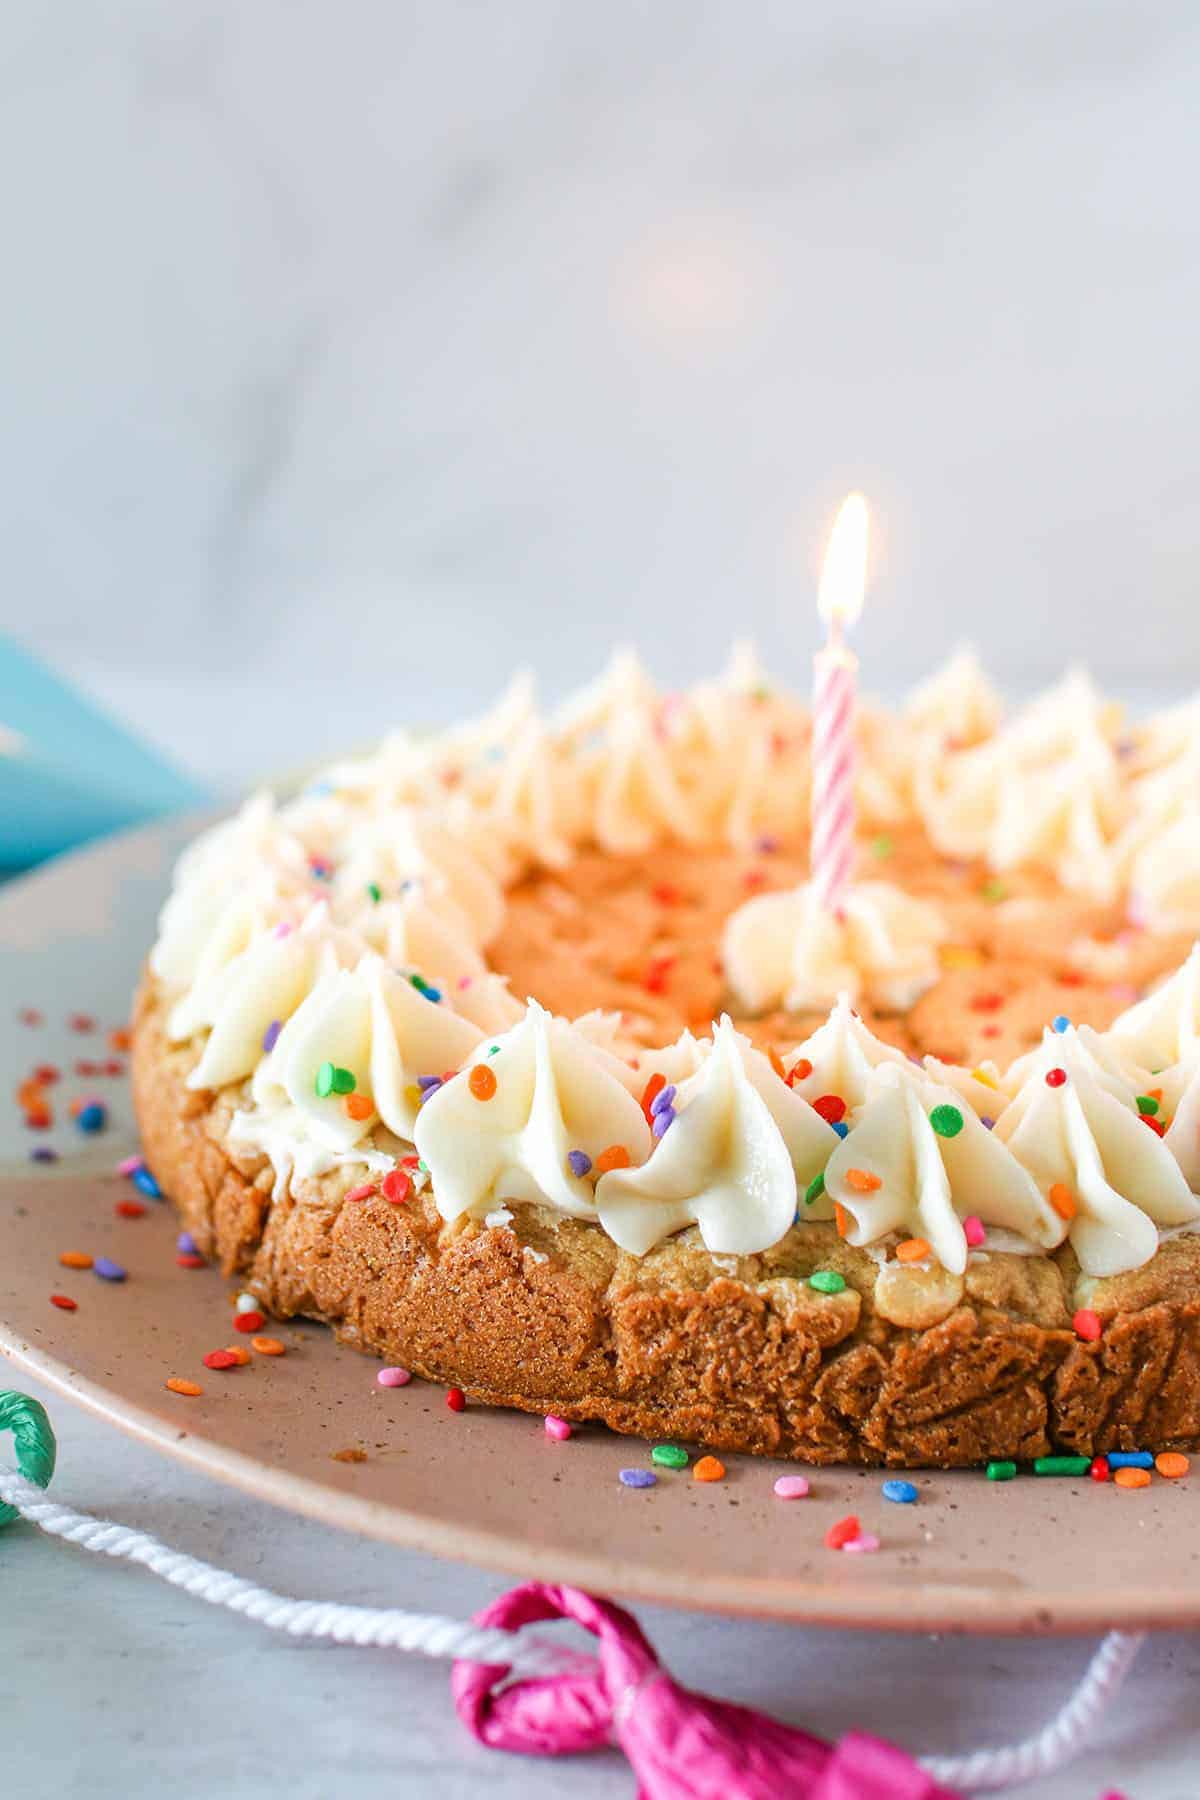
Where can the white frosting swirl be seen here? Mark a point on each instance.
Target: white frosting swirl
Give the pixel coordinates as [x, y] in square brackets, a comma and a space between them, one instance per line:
[957, 706]
[788, 949]
[929, 1181]
[555, 1093]
[728, 1162]
[1082, 1139]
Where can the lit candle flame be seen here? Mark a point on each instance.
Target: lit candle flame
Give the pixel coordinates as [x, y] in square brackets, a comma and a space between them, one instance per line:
[844, 575]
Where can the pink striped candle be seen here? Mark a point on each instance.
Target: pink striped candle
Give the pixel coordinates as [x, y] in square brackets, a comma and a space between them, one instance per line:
[843, 581]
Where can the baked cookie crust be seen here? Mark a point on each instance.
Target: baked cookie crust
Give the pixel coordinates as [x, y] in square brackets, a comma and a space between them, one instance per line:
[546, 1314]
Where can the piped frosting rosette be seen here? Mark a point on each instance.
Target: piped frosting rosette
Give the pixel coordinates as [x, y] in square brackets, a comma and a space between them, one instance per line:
[1157, 1043]
[734, 1145]
[789, 950]
[1074, 1123]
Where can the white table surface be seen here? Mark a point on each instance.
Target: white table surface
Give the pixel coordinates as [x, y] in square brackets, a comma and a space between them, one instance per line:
[112, 1684]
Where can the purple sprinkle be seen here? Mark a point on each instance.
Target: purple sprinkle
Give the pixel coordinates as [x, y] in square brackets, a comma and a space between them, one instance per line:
[44, 1154]
[428, 1082]
[766, 845]
[282, 930]
[186, 1244]
[108, 1270]
[663, 1121]
[129, 1165]
[990, 1123]
[429, 1088]
[637, 1478]
[271, 1036]
[663, 1098]
[579, 1162]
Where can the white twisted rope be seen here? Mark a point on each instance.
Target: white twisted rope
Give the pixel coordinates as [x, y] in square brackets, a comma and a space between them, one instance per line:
[428, 1634]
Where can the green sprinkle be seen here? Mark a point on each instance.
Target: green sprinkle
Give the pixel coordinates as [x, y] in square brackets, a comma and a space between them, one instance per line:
[1062, 1465]
[815, 1189]
[994, 890]
[419, 982]
[375, 891]
[325, 1081]
[422, 1168]
[882, 846]
[669, 1456]
[1147, 1106]
[343, 1082]
[495, 1050]
[827, 1281]
[1001, 1471]
[947, 1121]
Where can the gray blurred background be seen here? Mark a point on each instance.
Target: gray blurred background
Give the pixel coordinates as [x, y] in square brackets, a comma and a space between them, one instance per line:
[351, 354]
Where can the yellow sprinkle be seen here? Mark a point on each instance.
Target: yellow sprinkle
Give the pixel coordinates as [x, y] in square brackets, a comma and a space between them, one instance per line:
[413, 1095]
[961, 956]
[982, 1076]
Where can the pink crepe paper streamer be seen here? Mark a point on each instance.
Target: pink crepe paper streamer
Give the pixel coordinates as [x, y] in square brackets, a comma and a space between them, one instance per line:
[680, 1745]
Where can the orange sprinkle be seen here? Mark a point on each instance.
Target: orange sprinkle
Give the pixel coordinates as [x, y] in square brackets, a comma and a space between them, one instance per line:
[862, 1181]
[709, 1468]
[776, 1062]
[119, 1038]
[178, 1385]
[842, 1219]
[1132, 1478]
[615, 1157]
[358, 1106]
[799, 1071]
[267, 1346]
[31, 1092]
[1172, 1464]
[912, 1250]
[1062, 1200]
[240, 1355]
[75, 1259]
[482, 1081]
[650, 1093]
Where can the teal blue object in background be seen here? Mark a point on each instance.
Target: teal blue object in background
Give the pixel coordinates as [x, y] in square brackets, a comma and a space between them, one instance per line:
[67, 772]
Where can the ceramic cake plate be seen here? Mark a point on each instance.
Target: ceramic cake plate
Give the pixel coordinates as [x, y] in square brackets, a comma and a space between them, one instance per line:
[483, 1486]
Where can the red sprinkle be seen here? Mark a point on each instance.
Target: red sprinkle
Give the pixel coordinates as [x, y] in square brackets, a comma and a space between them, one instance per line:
[114, 1066]
[1156, 1125]
[87, 1068]
[989, 1031]
[397, 1187]
[800, 1070]
[655, 979]
[222, 1359]
[1087, 1324]
[987, 1002]
[666, 893]
[650, 1093]
[1099, 1468]
[29, 1015]
[129, 1209]
[363, 1191]
[1056, 1077]
[831, 1107]
[81, 1022]
[65, 1302]
[188, 1259]
[248, 1321]
[456, 1400]
[839, 1535]
[46, 1073]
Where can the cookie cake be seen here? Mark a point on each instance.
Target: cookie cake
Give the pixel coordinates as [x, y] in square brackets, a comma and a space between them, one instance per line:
[541, 1058]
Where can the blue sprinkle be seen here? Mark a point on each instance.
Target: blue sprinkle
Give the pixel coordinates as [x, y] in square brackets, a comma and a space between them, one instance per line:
[108, 1270]
[1062, 1023]
[93, 1117]
[43, 1153]
[271, 1036]
[637, 1478]
[432, 993]
[840, 1126]
[143, 1179]
[186, 1245]
[990, 1123]
[579, 1162]
[1129, 1459]
[663, 1121]
[902, 1492]
[663, 1098]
